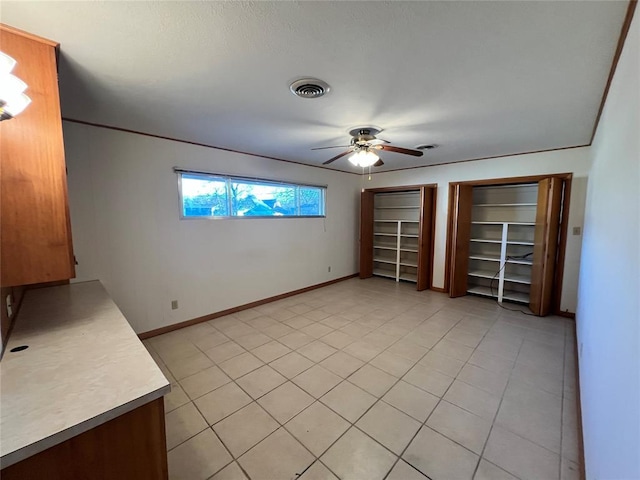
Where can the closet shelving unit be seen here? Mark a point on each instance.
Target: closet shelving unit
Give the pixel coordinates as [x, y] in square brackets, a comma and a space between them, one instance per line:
[504, 240]
[396, 235]
[502, 226]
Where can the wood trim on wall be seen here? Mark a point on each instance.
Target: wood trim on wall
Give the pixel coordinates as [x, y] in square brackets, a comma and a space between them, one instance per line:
[30, 36]
[484, 158]
[514, 180]
[246, 306]
[402, 188]
[199, 144]
[614, 65]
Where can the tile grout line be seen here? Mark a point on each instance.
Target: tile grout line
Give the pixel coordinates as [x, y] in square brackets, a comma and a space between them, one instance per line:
[495, 415]
[256, 401]
[344, 379]
[424, 424]
[379, 398]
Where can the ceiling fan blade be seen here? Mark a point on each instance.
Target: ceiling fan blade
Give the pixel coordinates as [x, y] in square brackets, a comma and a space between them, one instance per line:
[337, 157]
[378, 141]
[334, 146]
[404, 151]
[379, 163]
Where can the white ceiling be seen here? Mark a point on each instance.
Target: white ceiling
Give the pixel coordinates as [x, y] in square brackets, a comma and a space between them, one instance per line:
[477, 78]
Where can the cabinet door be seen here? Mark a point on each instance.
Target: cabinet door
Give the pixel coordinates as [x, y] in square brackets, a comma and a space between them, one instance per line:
[425, 238]
[545, 244]
[366, 234]
[35, 228]
[460, 239]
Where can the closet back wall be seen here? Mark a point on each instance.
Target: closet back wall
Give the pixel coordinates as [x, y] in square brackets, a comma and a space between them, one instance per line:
[123, 198]
[575, 160]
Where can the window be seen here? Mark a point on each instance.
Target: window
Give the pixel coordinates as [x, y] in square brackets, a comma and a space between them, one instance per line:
[210, 195]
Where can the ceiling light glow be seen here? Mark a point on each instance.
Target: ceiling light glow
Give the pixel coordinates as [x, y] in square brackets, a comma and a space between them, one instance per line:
[364, 158]
[12, 98]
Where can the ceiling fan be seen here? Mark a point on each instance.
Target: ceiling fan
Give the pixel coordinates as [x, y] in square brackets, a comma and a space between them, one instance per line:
[364, 145]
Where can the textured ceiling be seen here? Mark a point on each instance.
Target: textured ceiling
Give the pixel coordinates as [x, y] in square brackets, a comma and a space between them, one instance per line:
[478, 78]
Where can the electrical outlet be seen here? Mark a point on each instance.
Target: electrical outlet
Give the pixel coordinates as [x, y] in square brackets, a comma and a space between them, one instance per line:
[9, 302]
[576, 230]
[329, 270]
[174, 304]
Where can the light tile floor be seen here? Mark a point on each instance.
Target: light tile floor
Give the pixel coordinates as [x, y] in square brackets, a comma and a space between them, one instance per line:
[372, 380]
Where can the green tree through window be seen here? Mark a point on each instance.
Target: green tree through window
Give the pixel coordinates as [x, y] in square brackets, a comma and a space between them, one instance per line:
[206, 195]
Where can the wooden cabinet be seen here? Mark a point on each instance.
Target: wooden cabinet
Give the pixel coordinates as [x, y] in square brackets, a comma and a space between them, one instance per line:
[504, 241]
[132, 445]
[35, 231]
[396, 234]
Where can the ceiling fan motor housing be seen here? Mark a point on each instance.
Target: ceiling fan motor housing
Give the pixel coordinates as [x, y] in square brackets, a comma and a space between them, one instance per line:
[364, 134]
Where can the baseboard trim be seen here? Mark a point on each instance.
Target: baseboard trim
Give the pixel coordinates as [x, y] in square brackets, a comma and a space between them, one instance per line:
[583, 466]
[228, 311]
[438, 289]
[570, 315]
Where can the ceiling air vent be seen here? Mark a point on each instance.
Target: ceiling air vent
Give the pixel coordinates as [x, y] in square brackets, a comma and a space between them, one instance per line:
[309, 88]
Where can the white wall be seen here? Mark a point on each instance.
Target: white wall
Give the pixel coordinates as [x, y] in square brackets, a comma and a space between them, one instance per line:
[575, 160]
[608, 316]
[127, 233]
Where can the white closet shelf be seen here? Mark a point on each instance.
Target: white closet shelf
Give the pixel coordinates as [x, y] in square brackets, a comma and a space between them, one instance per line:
[487, 258]
[516, 296]
[396, 221]
[412, 250]
[407, 235]
[400, 207]
[381, 234]
[495, 258]
[384, 260]
[509, 277]
[505, 205]
[409, 277]
[515, 278]
[482, 273]
[506, 295]
[520, 262]
[502, 223]
[407, 264]
[383, 247]
[509, 242]
[384, 273]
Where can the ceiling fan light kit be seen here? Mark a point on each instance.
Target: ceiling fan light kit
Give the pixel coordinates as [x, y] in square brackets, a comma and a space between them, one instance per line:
[363, 143]
[364, 158]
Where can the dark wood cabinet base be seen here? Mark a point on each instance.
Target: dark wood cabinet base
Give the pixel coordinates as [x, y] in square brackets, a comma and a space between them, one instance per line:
[131, 446]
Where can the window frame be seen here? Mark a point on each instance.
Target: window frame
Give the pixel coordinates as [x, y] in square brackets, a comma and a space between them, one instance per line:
[228, 179]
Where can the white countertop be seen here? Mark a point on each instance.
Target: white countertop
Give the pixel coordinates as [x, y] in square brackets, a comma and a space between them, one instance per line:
[84, 366]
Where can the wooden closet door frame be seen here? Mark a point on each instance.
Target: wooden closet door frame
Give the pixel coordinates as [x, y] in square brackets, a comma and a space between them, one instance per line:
[460, 238]
[428, 198]
[426, 237]
[366, 234]
[549, 207]
[562, 241]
